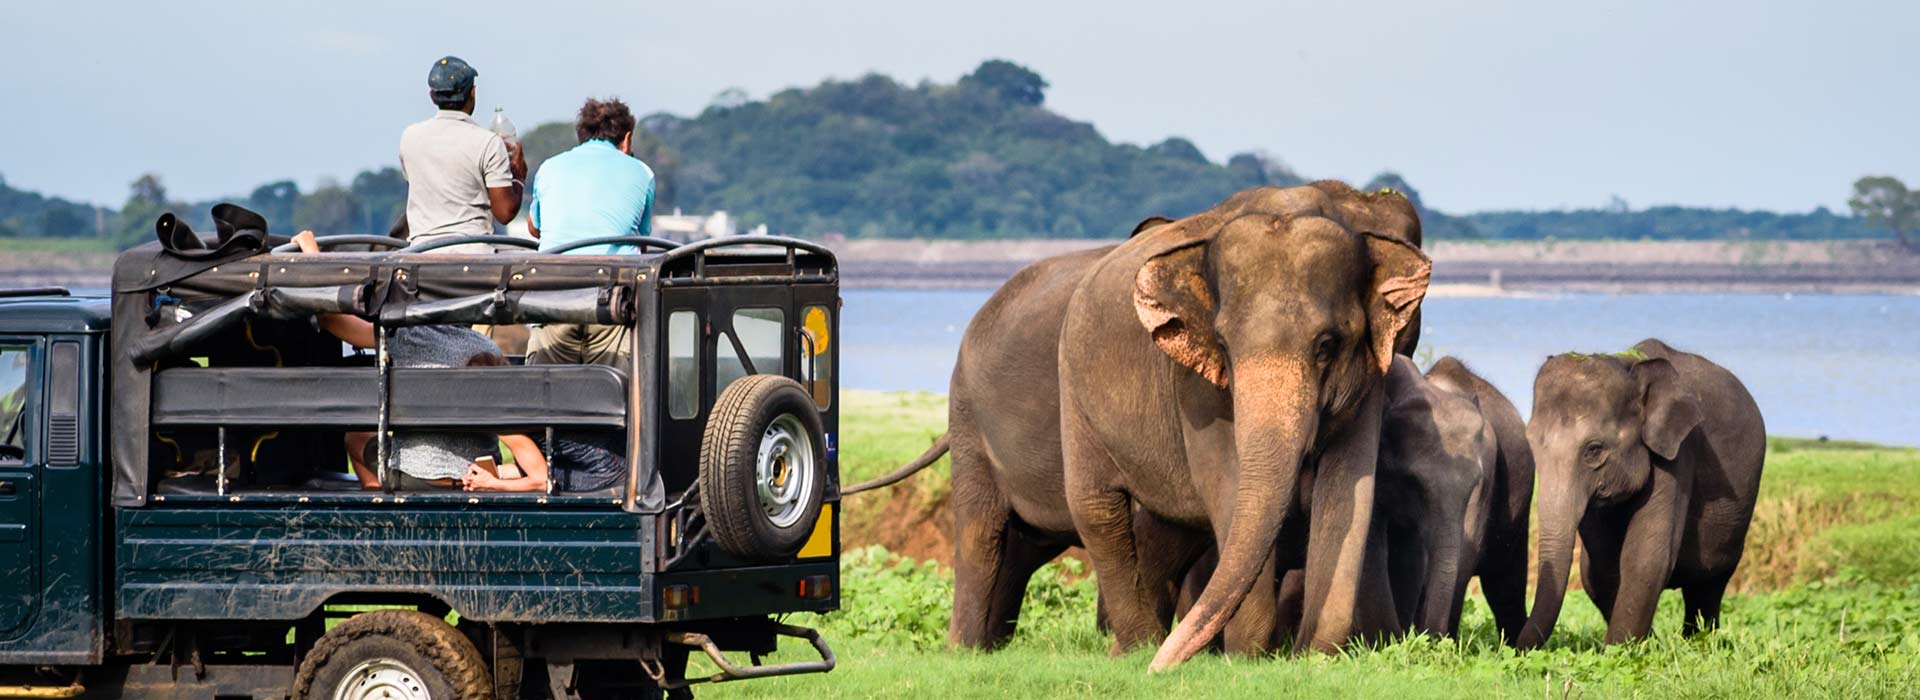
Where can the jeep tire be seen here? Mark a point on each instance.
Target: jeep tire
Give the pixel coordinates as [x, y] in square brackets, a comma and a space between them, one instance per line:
[763, 468]
[393, 653]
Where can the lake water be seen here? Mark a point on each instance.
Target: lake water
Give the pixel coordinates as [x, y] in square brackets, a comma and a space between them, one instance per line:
[1842, 366]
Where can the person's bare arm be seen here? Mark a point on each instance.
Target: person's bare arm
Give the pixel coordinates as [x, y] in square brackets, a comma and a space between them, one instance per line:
[526, 456]
[505, 201]
[351, 330]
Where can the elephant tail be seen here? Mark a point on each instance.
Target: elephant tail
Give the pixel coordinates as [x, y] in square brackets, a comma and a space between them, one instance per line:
[926, 459]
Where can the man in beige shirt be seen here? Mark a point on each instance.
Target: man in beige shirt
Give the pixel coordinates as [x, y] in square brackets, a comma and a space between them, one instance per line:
[458, 172]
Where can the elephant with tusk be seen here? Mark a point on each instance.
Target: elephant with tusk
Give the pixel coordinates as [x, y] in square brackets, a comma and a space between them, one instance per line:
[1004, 407]
[1205, 364]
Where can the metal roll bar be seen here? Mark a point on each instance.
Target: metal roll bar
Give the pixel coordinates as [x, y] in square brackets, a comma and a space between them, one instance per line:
[354, 239]
[464, 240]
[642, 241]
[698, 251]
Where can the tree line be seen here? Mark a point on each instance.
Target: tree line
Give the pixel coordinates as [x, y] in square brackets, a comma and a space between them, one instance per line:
[982, 157]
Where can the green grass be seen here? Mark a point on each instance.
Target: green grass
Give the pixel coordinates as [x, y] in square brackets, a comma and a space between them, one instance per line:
[1831, 608]
[880, 430]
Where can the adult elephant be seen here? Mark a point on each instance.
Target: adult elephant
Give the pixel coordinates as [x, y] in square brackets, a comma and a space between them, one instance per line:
[1204, 364]
[1003, 430]
[1654, 457]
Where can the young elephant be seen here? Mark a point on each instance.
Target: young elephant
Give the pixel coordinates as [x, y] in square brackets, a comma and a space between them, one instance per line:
[1454, 491]
[1456, 476]
[1654, 456]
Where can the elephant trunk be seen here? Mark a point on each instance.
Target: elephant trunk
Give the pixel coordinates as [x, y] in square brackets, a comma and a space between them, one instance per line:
[1443, 586]
[1562, 507]
[1274, 408]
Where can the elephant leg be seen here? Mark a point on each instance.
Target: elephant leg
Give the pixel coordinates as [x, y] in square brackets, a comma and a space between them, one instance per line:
[981, 518]
[1503, 580]
[1646, 563]
[1345, 571]
[1600, 537]
[1250, 631]
[1103, 515]
[1407, 571]
[1198, 574]
[1102, 622]
[1374, 618]
[1168, 552]
[1287, 607]
[1703, 605]
[1504, 583]
[1022, 553]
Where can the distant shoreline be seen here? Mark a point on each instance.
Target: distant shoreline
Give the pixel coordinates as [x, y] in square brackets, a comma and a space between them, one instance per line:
[1461, 269]
[1484, 269]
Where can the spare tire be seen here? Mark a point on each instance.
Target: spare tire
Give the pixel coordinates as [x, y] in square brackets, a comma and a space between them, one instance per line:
[763, 468]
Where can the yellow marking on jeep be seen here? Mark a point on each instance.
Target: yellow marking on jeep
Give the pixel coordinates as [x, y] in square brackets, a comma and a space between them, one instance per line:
[820, 543]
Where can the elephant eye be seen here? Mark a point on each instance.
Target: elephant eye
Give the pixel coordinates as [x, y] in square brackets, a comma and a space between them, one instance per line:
[1325, 348]
[1593, 454]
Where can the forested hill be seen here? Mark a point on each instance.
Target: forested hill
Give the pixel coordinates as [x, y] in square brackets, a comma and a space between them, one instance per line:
[979, 158]
[982, 157]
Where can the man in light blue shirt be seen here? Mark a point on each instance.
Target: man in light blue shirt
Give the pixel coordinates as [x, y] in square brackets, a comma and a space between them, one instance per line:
[595, 189]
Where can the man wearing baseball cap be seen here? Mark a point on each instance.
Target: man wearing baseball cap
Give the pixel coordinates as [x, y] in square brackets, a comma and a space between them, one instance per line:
[458, 172]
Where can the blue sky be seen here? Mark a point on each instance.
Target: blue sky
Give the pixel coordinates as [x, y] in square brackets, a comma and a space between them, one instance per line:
[1481, 105]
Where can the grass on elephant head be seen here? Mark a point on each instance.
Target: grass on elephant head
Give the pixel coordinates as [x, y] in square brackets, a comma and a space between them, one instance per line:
[1828, 606]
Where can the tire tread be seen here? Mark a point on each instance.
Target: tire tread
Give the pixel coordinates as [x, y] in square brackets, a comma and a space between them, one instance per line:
[453, 656]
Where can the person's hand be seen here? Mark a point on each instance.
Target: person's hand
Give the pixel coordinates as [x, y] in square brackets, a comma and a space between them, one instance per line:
[478, 479]
[305, 240]
[518, 163]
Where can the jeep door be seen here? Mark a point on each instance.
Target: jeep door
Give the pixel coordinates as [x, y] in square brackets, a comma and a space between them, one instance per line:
[21, 454]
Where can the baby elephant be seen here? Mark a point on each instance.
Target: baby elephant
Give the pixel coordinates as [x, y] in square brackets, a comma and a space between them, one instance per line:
[1456, 479]
[1453, 494]
[1653, 456]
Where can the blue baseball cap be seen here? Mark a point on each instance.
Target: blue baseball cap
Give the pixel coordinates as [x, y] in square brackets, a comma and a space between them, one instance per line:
[450, 78]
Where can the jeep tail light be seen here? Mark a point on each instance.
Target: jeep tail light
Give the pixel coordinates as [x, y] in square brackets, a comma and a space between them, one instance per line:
[816, 587]
[679, 596]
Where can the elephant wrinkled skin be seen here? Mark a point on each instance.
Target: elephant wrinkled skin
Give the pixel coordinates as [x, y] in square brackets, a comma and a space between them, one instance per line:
[1207, 363]
[1456, 484]
[1009, 497]
[1653, 456]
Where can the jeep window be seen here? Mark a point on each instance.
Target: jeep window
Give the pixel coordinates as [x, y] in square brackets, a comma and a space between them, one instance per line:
[761, 335]
[15, 361]
[817, 337]
[683, 365]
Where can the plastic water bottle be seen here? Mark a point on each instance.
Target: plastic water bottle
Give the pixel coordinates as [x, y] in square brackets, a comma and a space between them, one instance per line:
[502, 125]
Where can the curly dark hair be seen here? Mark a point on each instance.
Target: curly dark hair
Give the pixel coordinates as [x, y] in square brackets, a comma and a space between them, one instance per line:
[603, 119]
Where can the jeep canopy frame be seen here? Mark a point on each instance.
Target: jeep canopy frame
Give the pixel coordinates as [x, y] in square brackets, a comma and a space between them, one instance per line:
[154, 288]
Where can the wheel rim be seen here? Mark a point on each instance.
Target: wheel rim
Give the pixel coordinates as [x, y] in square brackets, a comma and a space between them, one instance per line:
[381, 679]
[784, 470]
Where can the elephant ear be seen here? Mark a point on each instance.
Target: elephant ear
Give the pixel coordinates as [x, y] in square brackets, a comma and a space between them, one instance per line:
[1669, 411]
[1400, 276]
[1148, 223]
[1175, 304]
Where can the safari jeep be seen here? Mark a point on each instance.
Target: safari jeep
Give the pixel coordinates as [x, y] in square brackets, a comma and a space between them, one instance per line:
[177, 516]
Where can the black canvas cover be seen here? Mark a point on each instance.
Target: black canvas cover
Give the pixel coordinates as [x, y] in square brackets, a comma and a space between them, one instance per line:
[574, 396]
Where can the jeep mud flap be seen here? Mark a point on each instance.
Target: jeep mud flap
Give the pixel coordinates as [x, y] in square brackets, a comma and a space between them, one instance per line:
[731, 672]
